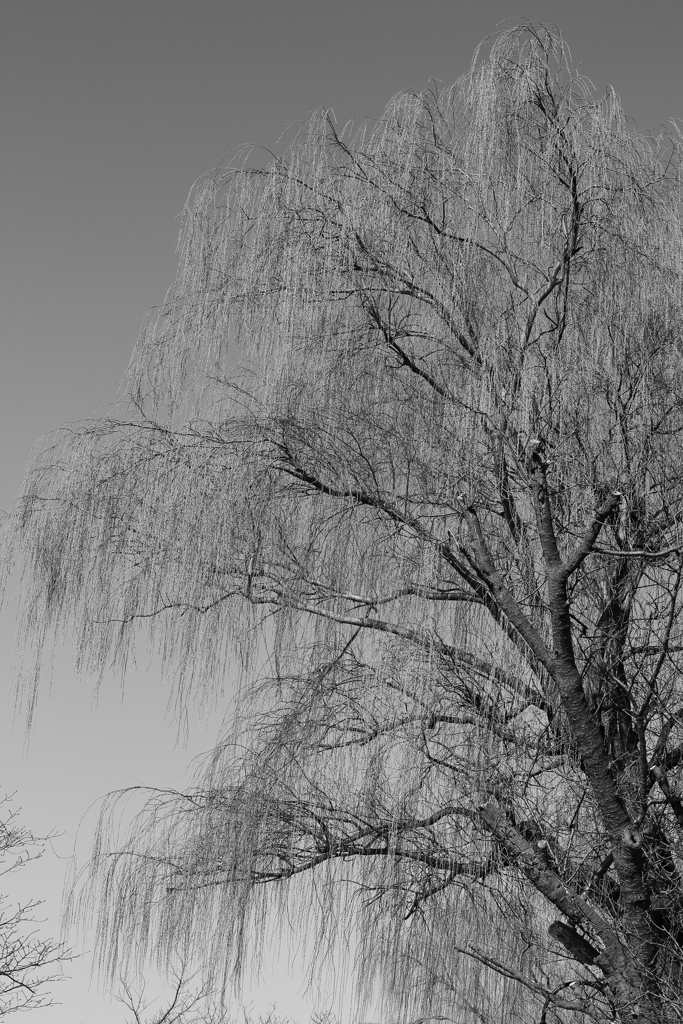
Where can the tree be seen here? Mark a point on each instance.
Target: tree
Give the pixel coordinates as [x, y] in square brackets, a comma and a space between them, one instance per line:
[407, 437]
[28, 963]
[186, 1005]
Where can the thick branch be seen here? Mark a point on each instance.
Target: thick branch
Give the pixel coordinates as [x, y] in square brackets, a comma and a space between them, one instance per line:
[531, 862]
[587, 542]
[587, 732]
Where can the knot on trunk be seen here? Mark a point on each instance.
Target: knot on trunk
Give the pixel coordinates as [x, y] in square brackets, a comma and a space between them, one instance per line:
[632, 838]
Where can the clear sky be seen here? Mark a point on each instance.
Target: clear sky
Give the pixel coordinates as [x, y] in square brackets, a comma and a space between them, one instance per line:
[109, 110]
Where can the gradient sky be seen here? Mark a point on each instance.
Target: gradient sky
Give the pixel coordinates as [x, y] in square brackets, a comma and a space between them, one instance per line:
[109, 110]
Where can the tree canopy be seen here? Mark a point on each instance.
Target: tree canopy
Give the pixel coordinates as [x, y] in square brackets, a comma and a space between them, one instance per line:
[405, 445]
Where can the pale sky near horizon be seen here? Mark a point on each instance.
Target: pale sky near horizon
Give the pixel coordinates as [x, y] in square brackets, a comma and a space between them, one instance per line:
[109, 110]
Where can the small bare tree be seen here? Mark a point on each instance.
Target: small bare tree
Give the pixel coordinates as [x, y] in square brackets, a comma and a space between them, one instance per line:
[187, 1004]
[29, 964]
[439, 512]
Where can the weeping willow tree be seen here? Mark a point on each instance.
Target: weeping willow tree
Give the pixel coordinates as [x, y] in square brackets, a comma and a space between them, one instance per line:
[405, 445]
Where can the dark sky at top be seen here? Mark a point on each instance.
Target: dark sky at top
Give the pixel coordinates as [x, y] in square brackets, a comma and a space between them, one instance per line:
[109, 110]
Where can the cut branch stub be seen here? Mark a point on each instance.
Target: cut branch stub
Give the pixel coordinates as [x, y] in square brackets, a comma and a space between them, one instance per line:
[580, 948]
